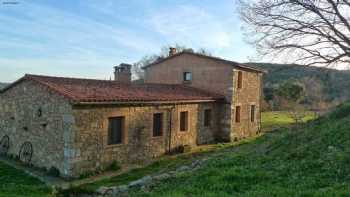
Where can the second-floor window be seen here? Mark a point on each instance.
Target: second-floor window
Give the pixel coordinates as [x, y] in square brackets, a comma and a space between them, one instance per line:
[239, 79]
[252, 113]
[187, 76]
[238, 114]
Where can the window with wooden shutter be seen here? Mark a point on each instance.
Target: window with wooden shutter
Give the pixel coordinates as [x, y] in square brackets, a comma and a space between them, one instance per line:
[184, 121]
[240, 80]
[157, 124]
[115, 130]
[207, 117]
[238, 114]
[252, 113]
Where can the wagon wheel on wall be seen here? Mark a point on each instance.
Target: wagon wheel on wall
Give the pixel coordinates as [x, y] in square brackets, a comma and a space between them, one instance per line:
[4, 145]
[26, 152]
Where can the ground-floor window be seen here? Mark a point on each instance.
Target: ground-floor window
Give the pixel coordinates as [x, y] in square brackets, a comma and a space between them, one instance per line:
[184, 121]
[115, 130]
[157, 124]
[207, 117]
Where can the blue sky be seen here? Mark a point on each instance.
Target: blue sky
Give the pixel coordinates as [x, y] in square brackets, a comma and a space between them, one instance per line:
[86, 38]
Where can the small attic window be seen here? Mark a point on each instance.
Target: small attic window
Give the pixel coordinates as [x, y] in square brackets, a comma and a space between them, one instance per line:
[187, 76]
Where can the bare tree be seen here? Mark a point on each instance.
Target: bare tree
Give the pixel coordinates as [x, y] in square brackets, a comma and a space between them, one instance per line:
[309, 32]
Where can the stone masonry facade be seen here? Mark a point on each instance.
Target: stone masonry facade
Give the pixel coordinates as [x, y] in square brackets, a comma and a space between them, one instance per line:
[49, 133]
[67, 123]
[138, 144]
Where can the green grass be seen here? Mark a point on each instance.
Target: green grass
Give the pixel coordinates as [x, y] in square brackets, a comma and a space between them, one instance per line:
[312, 160]
[277, 119]
[15, 182]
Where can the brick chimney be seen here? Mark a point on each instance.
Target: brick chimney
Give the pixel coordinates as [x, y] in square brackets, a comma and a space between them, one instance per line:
[172, 51]
[122, 73]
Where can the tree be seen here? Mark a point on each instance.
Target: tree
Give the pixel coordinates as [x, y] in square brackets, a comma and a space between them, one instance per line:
[291, 94]
[310, 32]
[164, 52]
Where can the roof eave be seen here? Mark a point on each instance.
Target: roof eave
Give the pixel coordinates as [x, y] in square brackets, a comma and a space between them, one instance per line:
[144, 102]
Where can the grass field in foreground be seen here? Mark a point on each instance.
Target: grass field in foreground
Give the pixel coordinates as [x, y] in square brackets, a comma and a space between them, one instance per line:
[15, 182]
[312, 160]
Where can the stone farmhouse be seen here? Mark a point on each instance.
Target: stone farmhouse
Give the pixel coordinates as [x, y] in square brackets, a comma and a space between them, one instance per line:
[80, 125]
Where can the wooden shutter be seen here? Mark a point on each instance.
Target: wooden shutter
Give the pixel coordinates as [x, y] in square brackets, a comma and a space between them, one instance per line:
[252, 113]
[115, 130]
[239, 79]
[207, 117]
[157, 124]
[183, 121]
[238, 114]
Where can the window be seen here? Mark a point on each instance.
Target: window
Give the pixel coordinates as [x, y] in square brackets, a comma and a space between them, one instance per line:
[239, 79]
[157, 124]
[115, 130]
[252, 113]
[187, 76]
[238, 114]
[183, 121]
[207, 117]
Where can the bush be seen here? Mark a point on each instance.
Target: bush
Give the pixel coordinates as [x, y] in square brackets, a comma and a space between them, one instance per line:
[342, 111]
[53, 171]
[114, 166]
[184, 149]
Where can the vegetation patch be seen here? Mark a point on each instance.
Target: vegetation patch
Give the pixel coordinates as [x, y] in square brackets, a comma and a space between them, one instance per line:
[15, 182]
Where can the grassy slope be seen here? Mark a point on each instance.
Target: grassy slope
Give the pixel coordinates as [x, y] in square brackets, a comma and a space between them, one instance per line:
[277, 119]
[310, 161]
[15, 182]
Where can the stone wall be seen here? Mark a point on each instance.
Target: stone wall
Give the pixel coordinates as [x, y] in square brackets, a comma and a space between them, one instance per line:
[249, 94]
[138, 143]
[20, 120]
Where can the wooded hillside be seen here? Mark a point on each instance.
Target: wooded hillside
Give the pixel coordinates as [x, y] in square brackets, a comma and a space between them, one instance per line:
[321, 84]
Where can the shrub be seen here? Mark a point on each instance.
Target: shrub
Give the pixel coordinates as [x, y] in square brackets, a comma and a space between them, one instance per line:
[342, 111]
[53, 171]
[114, 166]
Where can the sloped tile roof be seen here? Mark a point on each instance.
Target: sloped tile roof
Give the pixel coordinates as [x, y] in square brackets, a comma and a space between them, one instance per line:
[91, 90]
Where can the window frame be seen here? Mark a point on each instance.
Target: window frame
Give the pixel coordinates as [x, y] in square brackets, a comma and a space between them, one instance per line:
[110, 141]
[161, 132]
[238, 111]
[186, 121]
[184, 76]
[207, 120]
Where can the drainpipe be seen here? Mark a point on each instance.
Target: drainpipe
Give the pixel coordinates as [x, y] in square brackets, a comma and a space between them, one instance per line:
[170, 126]
[260, 100]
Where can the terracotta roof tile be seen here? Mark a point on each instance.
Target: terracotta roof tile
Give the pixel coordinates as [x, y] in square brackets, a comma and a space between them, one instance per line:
[90, 90]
